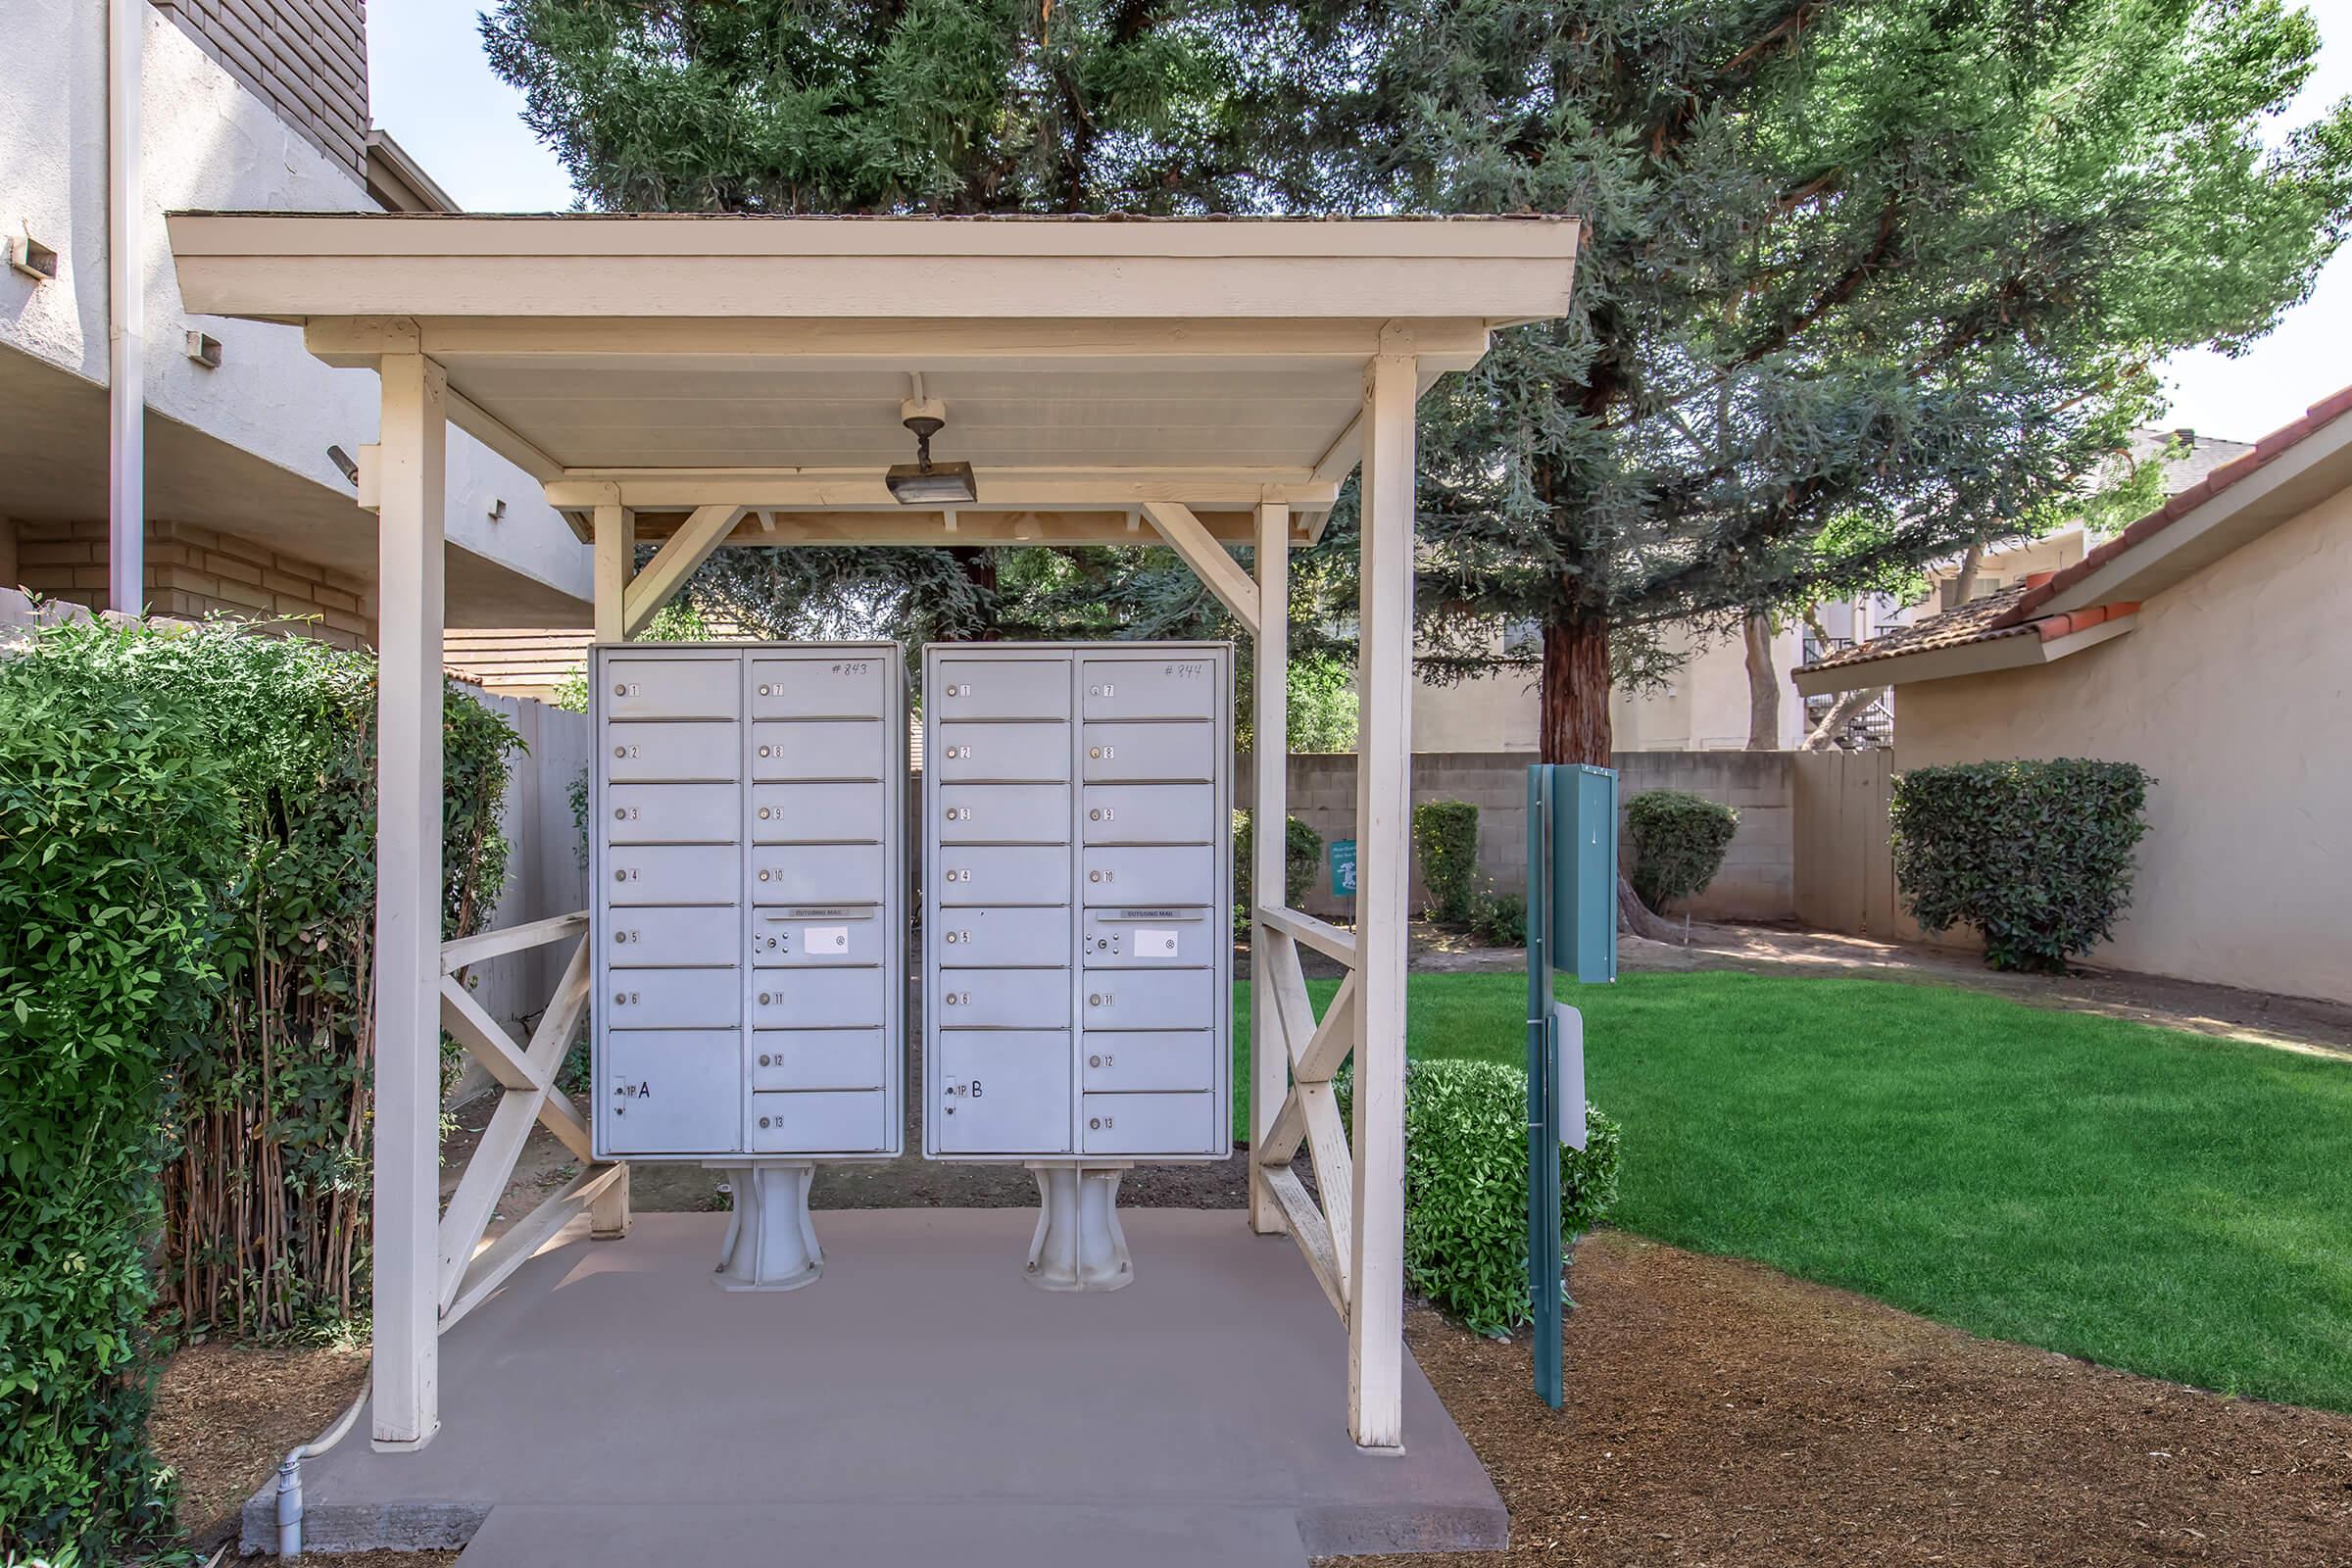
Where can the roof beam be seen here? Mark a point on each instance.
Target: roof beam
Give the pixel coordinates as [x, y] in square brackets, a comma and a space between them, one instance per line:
[1000, 488]
[673, 563]
[1219, 571]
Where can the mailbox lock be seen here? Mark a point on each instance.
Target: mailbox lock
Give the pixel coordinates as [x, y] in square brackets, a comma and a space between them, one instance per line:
[1095, 1001]
[620, 813]
[620, 750]
[764, 1121]
[622, 690]
[620, 936]
[952, 936]
[763, 691]
[620, 876]
[763, 999]
[1094, 752]
[1094, 1061]
[1094, 876]
[763, 1058]
[764, 814]
[764, 873]
[762, 751]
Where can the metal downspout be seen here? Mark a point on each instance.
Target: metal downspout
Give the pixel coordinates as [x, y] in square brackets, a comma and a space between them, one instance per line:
[125, 312]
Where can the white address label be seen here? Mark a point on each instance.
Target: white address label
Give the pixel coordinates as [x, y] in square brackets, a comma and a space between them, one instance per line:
[818, 940]
[1155, 942]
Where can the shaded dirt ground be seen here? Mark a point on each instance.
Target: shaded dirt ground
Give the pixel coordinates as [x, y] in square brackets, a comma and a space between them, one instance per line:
[1719, 1414]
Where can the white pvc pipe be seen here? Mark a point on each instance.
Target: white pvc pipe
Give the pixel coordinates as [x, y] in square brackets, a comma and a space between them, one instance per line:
[125, 314]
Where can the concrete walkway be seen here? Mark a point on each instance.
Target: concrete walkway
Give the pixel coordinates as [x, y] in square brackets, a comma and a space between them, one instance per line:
[921, 1405]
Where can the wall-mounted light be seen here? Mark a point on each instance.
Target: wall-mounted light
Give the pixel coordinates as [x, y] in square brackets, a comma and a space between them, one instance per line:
[922, 482]
[342, 461]
[205, 350]
[34, 258]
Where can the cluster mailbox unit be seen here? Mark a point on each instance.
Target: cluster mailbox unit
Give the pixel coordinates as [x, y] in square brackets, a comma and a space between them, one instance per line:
[750, 920]
[1077, 940]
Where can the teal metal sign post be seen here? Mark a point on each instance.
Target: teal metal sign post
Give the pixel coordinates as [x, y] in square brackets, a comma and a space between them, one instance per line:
[1571, 925]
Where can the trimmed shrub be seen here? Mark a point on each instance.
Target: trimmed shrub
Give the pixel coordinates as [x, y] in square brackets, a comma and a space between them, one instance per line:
[1499, 920]
[1465, 1187]
[2036, 856]
[1446, 837]
[1679, 840]
[1303, 853]
[113, 855]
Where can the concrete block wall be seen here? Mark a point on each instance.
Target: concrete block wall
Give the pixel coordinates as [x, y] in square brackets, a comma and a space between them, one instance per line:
[193, 572]
[1758, 879]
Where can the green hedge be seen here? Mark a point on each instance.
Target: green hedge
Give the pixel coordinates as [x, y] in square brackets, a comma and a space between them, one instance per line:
[1302, 854]
[2036, 855]
[113, 853]
[1679, 840]
[1446, 838]
[1465, 1187]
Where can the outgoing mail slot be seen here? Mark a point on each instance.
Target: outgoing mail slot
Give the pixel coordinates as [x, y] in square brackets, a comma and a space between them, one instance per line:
[671, 1093]
[1150, 814]
[697, 749]
[817, 1058]
[818, 999]
[1131, 938]
[1179, 751]
[671, 938]
[1001, 688]
[671, 688]
[672, 873]
[818, 936]
[1003, 999]
[1151, 688]
[1150, 1124]
[1003, 939]
[671, 999]
[819, 1122]
[992, 873]
[818, 813]
[1004, 813]
[817, 873]
[1156, 1059]
[834, 686]
[817, 749]
[1148, 999]
[1181, 874]
[671, 814]
[1001, 1092]
[1009, 752]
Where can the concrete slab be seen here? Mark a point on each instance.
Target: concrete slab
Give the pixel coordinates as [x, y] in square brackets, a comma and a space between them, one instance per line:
[921, 1397]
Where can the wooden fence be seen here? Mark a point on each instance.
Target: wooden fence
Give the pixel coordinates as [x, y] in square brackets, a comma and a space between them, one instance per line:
[1844, 863]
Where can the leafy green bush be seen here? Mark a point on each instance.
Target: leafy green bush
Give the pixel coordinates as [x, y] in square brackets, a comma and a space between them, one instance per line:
[1465, 1186]
[113, 855]
[1303, 853]
[1679, 840]
[1446, 838]
[1498, 919]
[2036, 856]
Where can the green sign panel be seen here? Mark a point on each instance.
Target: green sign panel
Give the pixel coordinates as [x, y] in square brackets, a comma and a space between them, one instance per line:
[1343, 869]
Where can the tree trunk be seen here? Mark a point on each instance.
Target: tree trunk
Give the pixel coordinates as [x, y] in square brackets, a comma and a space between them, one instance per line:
[1573, 699]
[1964, 587]
[1825, 734]
[1763, 684]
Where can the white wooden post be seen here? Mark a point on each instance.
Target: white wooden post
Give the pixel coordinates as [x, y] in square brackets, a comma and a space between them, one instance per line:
[1383, 756]
[1269, 815]
[412, 454]
[615, 564]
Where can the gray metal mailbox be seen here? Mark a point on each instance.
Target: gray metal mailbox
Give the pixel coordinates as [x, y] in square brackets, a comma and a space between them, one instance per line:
[748, 868]
[1077, 935]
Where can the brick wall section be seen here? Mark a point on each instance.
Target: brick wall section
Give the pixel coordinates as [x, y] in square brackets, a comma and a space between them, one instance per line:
[307, 59]
[193, 572]
[1758, 879]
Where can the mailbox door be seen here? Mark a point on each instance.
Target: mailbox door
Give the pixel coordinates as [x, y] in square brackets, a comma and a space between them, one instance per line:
[672, 1091]
[818, 936]
[784, 750]
[671, 874]
[673, 938]
[1152, 938]
[671, 999]
[1004, 754]
[1004, 813]
[1179, 874]
[1150, 1124]
[1151, 813]
[818, 873]
[1166, 1060]
[970, 939]
[818, 814]
[1173, 752]
[1173, 687]
[1002, 1092]
[995, 875]
[691, 748]
[1150, 998]
[818, 999]
[1001, 688]
[1005, 999]
[829, 686]
[819, 1121]
[676, 687]
[817, 1058]
[671, 814]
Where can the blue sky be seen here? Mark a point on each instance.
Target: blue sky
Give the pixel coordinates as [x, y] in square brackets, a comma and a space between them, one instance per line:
[434, 93]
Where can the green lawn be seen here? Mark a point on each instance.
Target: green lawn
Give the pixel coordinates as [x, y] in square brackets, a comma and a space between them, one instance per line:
[2148, 1199]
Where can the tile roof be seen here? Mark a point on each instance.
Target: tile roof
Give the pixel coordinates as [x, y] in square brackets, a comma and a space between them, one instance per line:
[1971, 622]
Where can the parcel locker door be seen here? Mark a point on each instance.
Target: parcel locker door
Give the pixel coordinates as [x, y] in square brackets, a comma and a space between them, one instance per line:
[784, 750]
[1157, 1059]
[818, 873]
[1145, 753]
[671, 814]
[1150, 998]
[1004, 813]
[672, 998]
[1005, 999]
[818, 935]
[1175, 687]
[672, 1091]
[1179, 874]
[818, 999]
[1002, 1092]
[1153, 1124]
[833, 686]
[693, 749]
[676, 687]
[818, 814]
[1001, 688]
[995, 873]
[817, 1058]
[672, 873]
[1151, 813]
[1130, 938]
[1009, 753]
[1003, 939]
[670, 938]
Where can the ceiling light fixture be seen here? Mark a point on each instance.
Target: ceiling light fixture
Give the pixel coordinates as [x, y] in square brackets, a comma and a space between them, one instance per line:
[922, 482]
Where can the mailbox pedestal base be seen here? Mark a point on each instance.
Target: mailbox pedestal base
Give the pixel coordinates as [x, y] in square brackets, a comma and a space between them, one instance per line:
[770, 1244]
[1079, 1245]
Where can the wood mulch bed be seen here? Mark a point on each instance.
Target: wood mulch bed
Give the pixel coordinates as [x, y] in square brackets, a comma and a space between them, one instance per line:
[1721, 1413]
